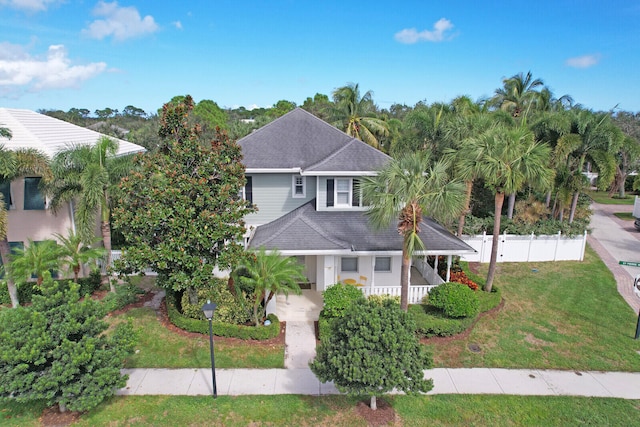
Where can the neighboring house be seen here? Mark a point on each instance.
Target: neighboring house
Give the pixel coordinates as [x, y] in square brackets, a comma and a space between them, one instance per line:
[303, 175]
[29, 217]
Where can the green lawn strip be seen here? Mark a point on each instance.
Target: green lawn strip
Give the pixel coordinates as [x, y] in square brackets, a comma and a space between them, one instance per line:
[603, 198]
[513, 411]
[557, 315]
[159, 347]
[280, 410]
[295, 410]
[627, 216]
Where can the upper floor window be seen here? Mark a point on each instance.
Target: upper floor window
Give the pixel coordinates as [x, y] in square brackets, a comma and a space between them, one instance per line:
[5, 190]
[299, 188]
[33, 198]
[247, 190]
[343, 192]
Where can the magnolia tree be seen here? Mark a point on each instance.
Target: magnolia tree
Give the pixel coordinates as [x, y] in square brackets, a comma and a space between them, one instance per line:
[180, 210]
[56, 350]
[372, 350]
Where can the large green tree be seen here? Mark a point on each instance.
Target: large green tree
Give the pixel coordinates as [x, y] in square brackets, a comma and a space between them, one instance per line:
[508, 159]
[13, 164]
[56, 350]
[87, 175]
[519, 94]
[181, 210]
[372, 350]
[409, 187]
[356, 115]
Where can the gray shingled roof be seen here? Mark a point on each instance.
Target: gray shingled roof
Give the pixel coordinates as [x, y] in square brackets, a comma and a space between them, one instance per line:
[301, 140]
[305, 229]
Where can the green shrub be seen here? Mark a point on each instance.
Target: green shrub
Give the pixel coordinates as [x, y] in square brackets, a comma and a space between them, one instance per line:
[431, 321]
[380, 299]
[124, 295]
[88, 285]
[26, 291]
[229, 308]
[455, 300]
[219, 328]
[338, 298]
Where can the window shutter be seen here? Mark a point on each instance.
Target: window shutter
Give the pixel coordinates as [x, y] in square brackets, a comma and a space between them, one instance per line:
[248, 190]
[355, 194]
[330, 183]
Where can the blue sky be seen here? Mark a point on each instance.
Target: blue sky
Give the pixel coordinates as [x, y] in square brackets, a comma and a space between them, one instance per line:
[59, 54]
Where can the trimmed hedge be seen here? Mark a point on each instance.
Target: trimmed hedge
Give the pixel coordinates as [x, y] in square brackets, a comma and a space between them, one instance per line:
[431, 321]
[455, 300]
[221, 329]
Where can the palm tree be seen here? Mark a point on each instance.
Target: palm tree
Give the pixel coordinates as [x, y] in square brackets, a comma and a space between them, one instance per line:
[76, 253]
[36, 259]
[518, 94]
[356, 115]
[5, 132]
[406, 189]
[87, 175]
[267, 274]
[507, 160]
[15, 163]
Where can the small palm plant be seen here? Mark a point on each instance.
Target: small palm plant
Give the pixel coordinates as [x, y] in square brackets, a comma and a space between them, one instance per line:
[76, 253]
[266, 274]
[34, 260]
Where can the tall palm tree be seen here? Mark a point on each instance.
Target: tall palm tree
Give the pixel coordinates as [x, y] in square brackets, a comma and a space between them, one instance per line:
[507, 160]
[5, 132]
[13, 164]
[409, 187]
[356, 115]
[518, 94]
[76, 253]
[87, 175]
[267, 274]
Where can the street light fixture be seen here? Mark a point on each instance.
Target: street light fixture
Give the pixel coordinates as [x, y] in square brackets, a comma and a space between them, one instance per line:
[208, 310]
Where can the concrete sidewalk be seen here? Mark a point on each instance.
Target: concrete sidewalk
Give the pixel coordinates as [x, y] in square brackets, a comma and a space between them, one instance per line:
[525, 382]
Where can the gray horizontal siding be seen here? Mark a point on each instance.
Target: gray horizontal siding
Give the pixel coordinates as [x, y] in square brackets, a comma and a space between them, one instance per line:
[272, 194]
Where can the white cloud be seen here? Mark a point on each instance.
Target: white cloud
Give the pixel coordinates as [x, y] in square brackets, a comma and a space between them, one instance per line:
[438, 34]
[120, 22]
[584, 61]
[30, 5]
[178, 25]
[21, 71]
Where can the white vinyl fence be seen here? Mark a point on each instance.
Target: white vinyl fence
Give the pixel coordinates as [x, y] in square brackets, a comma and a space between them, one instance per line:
[515, 248]
[115, 255]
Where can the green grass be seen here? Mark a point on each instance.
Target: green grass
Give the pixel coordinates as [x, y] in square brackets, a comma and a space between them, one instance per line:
[557, 315]
[294, 410]
[603, 198]
[158, 347]
[627, 216]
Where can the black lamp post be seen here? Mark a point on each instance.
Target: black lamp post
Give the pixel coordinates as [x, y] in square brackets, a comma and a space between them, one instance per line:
[208, 310]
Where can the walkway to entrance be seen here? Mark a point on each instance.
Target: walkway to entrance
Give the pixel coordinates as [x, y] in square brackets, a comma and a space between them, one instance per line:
[300, 312]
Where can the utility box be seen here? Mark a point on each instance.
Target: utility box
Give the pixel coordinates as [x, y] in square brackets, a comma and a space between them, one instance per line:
[636, 208]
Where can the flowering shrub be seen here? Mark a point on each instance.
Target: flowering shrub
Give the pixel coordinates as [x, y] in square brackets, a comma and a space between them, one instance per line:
[461, 277]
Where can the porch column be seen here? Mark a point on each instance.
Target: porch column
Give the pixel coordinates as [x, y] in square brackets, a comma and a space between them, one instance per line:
[448, 268]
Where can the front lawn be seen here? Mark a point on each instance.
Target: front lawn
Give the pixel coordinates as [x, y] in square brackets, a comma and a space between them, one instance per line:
[603, 198]
[556, 315]
[158, 347]
[294, 410]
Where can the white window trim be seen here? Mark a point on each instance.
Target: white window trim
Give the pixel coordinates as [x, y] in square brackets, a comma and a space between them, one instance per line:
[383, 271]
[335, 193]
[350, 271]
[294, 185]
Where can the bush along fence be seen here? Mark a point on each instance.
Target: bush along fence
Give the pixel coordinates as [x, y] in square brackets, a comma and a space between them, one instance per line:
[530, 248]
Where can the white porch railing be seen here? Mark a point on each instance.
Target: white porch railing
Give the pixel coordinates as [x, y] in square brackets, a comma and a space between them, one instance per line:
[115, 255]
[416, 293]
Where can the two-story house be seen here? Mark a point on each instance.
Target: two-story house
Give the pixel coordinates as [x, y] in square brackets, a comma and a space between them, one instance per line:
[303, 175]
